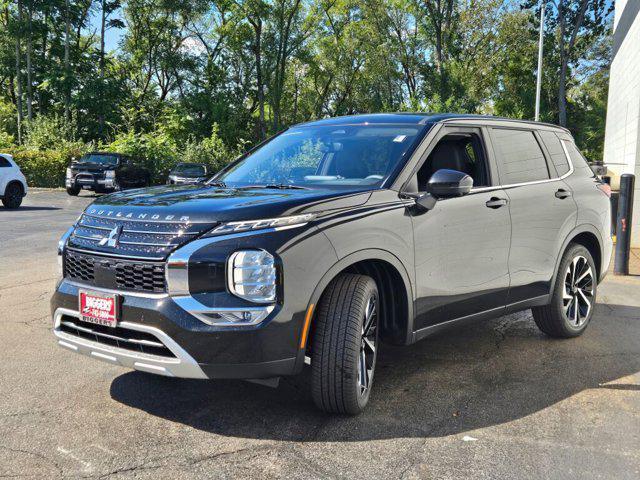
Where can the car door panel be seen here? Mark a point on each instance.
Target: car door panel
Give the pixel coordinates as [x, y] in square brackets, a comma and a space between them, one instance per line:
[541, 206]
[462, 249]
[540, 223]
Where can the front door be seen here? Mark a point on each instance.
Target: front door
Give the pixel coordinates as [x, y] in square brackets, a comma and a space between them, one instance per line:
[462, 244]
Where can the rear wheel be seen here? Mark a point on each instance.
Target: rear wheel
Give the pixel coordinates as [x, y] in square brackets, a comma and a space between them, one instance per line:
[73, 191]
[574, 296]
[12, 195]
[344, 344]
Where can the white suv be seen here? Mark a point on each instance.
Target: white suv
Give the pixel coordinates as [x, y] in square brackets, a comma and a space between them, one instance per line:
[13, 185]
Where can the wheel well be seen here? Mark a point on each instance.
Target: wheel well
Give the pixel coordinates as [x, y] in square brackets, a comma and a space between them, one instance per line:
[15, 182]
[590, 242]
[394, 306]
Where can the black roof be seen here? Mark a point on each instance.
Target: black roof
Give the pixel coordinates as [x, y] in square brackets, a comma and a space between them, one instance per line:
[412, 118]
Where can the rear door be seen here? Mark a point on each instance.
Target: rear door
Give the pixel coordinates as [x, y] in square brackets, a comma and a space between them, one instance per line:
[541, 206]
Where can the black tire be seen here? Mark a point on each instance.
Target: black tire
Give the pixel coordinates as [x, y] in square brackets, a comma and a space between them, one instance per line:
[574, 297]
[338, 346]
[73, 191]
[13, 195]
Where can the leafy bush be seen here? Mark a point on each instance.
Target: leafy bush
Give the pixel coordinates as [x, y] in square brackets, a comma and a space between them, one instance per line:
[157, 149]
[44, 168]
[50, 132]
[211, 151]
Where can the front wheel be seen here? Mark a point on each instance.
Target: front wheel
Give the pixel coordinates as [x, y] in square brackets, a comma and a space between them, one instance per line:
[574, 296]
[73, 191]
[344, 344]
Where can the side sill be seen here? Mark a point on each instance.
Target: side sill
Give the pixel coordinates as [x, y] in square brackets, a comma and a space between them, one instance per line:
[488, 314]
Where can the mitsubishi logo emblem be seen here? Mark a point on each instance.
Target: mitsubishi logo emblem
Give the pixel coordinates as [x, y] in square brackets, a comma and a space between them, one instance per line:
[112, 239]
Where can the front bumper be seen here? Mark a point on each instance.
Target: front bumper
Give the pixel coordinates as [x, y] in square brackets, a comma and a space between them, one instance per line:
[94, 183]
[200, 350]
[183, 365]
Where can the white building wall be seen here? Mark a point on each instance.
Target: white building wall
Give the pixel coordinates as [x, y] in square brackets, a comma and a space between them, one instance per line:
[622, 134]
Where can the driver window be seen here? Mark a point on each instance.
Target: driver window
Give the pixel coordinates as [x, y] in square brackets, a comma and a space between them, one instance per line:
[456, 151]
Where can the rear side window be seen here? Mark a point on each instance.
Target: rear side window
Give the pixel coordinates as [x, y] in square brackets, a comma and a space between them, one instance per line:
[554, 147]
[519, 156]
[580, 164]
[4, 162]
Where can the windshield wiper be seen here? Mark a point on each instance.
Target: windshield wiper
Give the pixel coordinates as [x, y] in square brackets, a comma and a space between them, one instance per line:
[276, 186]
[219, 183]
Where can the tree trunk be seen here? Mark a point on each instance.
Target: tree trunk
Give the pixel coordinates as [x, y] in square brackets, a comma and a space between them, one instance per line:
[257, 26]
[18, 72]
[67, 84]
[29, 47]
[102, 32]
[43, 56]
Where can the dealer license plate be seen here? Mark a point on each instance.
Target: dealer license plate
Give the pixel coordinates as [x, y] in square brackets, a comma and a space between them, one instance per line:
[99, 308]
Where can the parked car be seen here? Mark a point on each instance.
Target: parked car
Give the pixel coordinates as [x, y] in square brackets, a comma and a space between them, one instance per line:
[184, 173]
[106, 172]
[13, 185]
[331, 237]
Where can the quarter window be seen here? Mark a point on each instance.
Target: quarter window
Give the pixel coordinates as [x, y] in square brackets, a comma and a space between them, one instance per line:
[4, 162]
[519, 155]
[554, 147]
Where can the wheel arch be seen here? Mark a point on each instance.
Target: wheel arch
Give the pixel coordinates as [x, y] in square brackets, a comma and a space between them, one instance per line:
[15, 181]
[388, 272]
[589, 237]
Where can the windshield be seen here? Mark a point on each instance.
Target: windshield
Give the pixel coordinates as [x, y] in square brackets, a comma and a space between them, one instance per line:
[335, 156]
[99, 159]
[191, 170]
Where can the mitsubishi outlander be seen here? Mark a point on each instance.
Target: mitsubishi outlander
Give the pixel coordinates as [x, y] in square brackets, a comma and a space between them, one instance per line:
[334, 236]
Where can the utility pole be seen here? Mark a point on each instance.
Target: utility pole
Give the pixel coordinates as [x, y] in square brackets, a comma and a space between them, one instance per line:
[540, 50]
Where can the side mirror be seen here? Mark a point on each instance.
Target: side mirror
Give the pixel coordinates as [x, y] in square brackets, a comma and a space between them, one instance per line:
[446, 183]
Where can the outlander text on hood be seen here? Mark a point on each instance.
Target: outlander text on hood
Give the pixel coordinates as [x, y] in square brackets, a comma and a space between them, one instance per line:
[330, 238]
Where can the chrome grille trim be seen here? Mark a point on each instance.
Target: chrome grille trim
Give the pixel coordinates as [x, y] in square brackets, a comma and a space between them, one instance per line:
[181, 365]
[112, 337]
[135, 237]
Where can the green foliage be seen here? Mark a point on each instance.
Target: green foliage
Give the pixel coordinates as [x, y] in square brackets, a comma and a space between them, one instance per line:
[157, 149]
[44, 168]
[211, 151]
[200, 81]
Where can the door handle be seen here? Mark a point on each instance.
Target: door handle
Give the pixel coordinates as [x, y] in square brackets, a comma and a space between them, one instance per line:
[562, 193]
[496, 202]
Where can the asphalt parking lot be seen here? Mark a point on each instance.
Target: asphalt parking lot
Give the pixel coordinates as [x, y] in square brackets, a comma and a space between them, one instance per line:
[494, 400]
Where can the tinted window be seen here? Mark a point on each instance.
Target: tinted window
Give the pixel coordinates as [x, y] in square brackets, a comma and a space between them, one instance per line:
[4, 162]
[99, 159]
[554, 147]
[580, 164]
[462, 152]
[519, 155]
[325, 156]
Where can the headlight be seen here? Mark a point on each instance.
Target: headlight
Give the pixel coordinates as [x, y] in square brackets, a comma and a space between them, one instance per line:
[69, 174]
[251, 275]
[110, 174]
[277, 223]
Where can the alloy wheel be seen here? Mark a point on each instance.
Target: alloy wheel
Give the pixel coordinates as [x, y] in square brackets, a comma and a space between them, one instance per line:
[368, 345]
[577, 296]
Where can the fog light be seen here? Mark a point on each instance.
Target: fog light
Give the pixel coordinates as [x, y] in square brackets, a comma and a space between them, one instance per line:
[252, 275]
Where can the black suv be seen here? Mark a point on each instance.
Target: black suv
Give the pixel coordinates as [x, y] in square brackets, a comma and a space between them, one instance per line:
[331, 237]
[106, 172]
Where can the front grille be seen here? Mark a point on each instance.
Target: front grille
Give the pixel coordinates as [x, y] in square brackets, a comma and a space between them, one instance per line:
[120, 337]
[133, 237]
[115, 273]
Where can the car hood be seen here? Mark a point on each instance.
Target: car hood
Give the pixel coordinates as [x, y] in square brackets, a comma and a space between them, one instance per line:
[205, 203]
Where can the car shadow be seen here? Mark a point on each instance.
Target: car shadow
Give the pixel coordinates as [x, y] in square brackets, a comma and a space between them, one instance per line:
[460, 380]
[29, 208]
